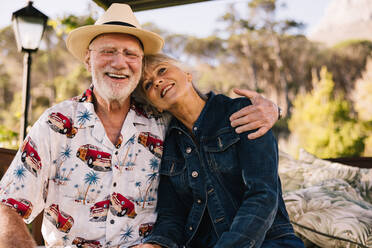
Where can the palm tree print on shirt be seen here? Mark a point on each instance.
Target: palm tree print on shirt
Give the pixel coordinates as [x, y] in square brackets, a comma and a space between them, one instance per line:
[123, 163]
[90, 178]
[19, 174]
[154, 165]
[62, 176]
[127, 234]
[83, 117]
[63, 156]
[140, 199]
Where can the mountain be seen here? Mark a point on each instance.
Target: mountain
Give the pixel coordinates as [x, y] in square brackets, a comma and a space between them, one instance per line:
[343, 20]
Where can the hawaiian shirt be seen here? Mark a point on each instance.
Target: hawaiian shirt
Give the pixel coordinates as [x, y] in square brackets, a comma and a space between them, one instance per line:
[93, 192]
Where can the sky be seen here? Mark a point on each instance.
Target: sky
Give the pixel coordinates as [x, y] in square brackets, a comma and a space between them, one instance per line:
[198, 19]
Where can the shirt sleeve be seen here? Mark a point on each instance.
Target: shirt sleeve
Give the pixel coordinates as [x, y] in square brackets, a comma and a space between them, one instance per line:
[24, 185]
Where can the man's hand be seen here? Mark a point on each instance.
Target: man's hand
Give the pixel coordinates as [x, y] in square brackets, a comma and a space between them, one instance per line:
[147, 246]
[13, 231]
[261, 115]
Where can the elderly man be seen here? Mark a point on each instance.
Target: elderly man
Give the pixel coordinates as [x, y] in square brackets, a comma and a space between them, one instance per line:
[91, 163]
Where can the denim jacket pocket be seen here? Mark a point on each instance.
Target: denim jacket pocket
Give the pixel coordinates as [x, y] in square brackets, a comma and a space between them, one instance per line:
[175, 169]
[221, 150]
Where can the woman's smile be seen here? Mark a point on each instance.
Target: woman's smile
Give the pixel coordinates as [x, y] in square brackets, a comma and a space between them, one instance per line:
[166, 89]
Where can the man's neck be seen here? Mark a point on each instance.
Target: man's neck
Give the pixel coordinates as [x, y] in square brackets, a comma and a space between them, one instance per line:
[112, 115]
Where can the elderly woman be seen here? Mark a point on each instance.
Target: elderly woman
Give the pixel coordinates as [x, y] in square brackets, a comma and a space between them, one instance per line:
[217, 188]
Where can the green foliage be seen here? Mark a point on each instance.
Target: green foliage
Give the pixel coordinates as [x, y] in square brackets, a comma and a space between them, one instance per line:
[8, 138]
[72, 84]
[68, 23]
[354, 43]
[362, 97]
[267, 5]
[362, 94]
[347, 61]
[11, 116]
[323, 122]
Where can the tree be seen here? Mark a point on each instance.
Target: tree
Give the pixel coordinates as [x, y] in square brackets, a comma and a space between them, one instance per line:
[323, 123]
[362, 98]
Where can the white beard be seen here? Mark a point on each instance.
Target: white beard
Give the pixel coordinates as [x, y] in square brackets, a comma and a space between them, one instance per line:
[110, 91]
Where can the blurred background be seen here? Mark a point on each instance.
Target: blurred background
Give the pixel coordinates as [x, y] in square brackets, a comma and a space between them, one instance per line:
[311, 57]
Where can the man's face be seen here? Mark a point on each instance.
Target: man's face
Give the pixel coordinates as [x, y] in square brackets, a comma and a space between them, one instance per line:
[115, 61]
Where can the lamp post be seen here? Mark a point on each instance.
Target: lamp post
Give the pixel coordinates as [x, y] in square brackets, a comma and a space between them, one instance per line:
[28, 26]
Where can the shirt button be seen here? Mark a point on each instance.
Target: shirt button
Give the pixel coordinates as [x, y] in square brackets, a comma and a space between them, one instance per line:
[114, 184]
[190, 228]
[199, 201]
[188, 149]
[116, 153]
[194, 174]
[112, 221]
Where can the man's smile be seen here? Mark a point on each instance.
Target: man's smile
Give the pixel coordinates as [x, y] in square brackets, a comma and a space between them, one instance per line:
[116, 75]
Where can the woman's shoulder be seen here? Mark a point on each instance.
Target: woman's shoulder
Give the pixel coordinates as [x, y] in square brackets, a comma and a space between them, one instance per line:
[229, 103]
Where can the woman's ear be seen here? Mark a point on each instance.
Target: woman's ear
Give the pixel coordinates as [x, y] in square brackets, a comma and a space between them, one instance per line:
[189, 76]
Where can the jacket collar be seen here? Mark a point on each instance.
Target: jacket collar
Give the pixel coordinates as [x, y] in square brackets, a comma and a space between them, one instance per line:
[176, 124]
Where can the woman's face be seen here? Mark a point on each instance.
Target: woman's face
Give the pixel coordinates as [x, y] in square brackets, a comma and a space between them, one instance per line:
[165, 84]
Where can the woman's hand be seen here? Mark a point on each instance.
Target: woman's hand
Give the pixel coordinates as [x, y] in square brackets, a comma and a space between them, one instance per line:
[261, 115]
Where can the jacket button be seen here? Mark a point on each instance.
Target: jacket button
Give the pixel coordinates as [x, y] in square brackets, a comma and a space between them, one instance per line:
[194, 174]
[199, 201]
[190, 228]
[188, 149]
[195, 128]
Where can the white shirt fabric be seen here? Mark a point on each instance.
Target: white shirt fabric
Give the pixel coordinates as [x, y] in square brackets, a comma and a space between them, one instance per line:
[91, 190]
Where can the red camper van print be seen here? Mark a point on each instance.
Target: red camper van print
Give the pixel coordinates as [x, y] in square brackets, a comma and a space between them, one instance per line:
[99, 211]
[60, 219]
[145, 229]
[62, 124]
[22, 206]
[83, 243]
[121, 206]
[95, 157]
[30, 157]
[151, 142]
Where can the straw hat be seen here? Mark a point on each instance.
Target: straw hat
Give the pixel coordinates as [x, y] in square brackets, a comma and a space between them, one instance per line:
[118, 18]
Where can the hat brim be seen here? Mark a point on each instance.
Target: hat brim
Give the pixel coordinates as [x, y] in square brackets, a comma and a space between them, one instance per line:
[78, 39]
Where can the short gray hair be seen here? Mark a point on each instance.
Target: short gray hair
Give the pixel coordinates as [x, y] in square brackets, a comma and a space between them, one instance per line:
[149, 60]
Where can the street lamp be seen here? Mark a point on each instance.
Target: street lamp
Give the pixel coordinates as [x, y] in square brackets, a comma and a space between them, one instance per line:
[28, 26]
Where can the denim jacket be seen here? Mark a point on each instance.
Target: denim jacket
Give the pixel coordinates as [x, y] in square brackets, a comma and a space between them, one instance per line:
[234, 178]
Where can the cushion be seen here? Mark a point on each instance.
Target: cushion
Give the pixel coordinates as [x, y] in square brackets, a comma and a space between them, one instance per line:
[329, 204]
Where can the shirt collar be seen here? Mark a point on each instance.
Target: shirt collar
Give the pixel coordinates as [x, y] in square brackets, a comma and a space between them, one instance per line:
[86, 116]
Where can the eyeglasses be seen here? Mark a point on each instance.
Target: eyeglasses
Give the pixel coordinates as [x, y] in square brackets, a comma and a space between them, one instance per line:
[110, 53]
